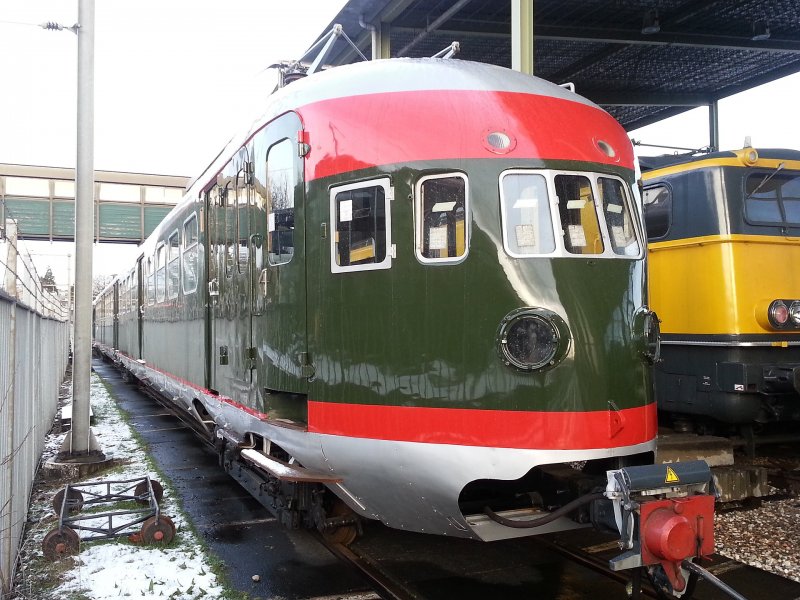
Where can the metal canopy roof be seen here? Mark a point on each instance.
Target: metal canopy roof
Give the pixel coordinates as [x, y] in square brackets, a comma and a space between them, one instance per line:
[704, 50]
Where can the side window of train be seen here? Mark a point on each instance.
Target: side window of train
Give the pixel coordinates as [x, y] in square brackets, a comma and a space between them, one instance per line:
[525, 211]
[173, 266]
[442, 232]
[161, 269]
[190, 254]
[657, 201]
[772, 198]
[616, 210]
[581, 228]
[361, 226]
[281, 182]
[151, 282]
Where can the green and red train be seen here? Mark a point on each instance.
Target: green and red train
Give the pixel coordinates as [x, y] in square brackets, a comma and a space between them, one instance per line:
[418, 283]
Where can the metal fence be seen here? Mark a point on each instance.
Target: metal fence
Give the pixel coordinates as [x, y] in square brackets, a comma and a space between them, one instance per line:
[34, 350]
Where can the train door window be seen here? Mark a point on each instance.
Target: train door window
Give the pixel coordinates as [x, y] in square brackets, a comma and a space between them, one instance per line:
[773, 198]
[161, 268]
[616, 209]
[581, 228]
[241, 218]
[151, 283]
[525, 211]
[281, 182]
[228, 197]
[442, 232]
[173, 265]
[657, 201]
[190, 254]
[361, 220]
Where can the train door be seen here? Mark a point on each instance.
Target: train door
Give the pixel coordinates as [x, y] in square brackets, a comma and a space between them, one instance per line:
[278, 263]
[229, 311]
[141, 300]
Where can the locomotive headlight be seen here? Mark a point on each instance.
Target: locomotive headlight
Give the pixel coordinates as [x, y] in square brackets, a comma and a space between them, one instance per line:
[778, 314]
[533, 339]
[794, 313]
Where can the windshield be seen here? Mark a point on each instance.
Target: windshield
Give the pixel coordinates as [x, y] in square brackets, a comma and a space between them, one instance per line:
[773, 198]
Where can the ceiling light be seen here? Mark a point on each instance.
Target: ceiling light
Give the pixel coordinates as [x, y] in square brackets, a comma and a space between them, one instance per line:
[760, 30]
[651, 25]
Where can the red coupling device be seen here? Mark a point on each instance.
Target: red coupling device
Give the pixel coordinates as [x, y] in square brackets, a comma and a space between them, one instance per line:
[674, 530]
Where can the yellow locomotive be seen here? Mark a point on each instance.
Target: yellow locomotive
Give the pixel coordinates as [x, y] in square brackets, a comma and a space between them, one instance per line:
[724, 238]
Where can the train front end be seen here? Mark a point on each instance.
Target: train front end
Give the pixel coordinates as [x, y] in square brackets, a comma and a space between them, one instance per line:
[724, 231]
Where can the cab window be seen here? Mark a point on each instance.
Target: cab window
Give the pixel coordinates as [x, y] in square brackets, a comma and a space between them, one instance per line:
[773, 199]
[441, 218]
[657, 201]
[360, 218]
[581, 228]
[618, 216]
[525, 210]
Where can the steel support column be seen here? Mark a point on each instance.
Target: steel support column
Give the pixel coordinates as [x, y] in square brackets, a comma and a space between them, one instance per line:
[713, 125]
[522, 36]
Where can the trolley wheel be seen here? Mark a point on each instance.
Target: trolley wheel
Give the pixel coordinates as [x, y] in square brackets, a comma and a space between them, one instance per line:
[143, 494]
[159, 530]
[345, 534]
[662, 586]
[61, 542]
[74, 501]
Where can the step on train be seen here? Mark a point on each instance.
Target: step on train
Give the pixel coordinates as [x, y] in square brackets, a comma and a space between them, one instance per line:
[414, 291]
[724, 242]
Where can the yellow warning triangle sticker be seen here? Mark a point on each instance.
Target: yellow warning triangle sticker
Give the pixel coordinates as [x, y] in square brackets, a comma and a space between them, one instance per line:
[672, 476]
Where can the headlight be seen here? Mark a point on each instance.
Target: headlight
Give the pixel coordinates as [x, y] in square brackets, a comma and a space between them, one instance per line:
[778, 314]
[533, 339]
[794, 313]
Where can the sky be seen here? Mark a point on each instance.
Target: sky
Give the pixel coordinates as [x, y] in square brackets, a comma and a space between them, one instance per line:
[175, 79]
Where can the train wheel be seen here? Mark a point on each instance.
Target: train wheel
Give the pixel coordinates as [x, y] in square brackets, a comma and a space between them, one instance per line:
[74, 501]
[143, 494]
[344, 534]
[662, 586]
[159, 530]
[60, 543]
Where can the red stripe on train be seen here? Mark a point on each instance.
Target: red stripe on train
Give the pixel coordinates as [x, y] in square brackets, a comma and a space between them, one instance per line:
[489, 428]
[344, 133]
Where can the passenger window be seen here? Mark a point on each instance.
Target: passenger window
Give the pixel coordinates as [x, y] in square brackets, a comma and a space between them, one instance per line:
[151, 285]
[618, 217]
[657, 201]
[361, 224]
[173, 266]
[161, 267]
[525, 208]
[190, 255]
[441, 223]
[228, 197]
[281, 182]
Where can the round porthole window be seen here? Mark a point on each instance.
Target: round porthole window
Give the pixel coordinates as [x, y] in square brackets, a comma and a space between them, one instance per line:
[533, 339]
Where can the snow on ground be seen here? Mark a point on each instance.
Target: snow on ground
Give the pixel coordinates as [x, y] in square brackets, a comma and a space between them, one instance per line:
[118, 568]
